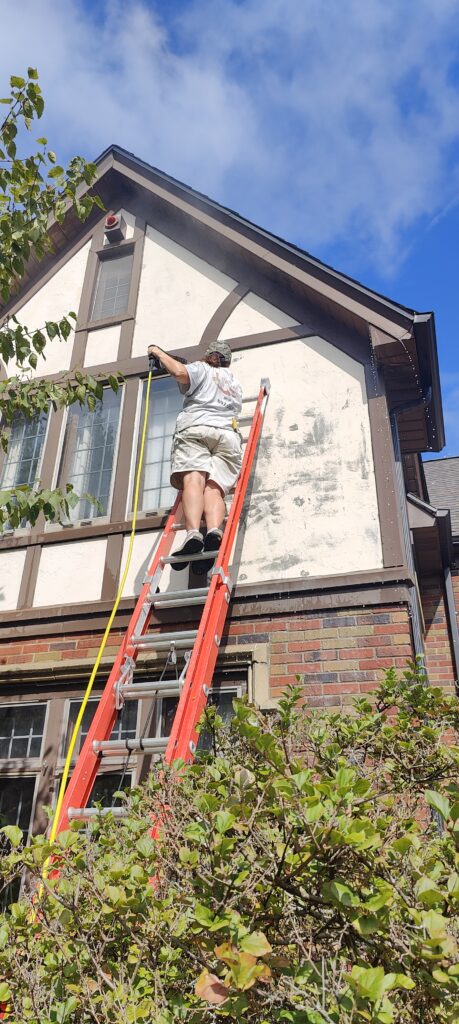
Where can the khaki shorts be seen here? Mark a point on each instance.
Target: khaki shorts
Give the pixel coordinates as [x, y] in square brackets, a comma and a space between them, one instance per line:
[210, 450]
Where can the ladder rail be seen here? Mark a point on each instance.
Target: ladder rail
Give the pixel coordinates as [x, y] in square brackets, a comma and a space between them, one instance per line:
[183, 737]
[85, 770]
[182, 741]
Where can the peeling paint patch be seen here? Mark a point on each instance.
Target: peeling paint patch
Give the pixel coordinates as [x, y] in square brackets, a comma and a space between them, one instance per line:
[293, 426]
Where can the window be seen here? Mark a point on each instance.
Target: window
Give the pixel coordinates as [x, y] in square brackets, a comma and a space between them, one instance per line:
[21, 730]
[165, 404]
[112, 286]
[225, 687]
[16, 801]
[106, 785]
[124, 728]
[25, 446]
[88, 455]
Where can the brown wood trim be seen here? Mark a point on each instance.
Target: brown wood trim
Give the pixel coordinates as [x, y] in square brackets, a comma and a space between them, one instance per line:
[125, 451]
[344, 292]
[88, 288]
[79, 350]
[219, 318]
[45, 781]
[351, 344]
[107, 321]
[29, 576]
[113, 556]
[341, 582]
[327, 591]
[125, 342]
[360, 600]
[155, 521]
[384, 468]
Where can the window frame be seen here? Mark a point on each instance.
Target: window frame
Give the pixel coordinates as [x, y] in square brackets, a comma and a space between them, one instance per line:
[105, 255]
[11, 765]
[160, 510]
[27, 775]
[95, 520]
[236, 689]
[24, 530]
[61, 746]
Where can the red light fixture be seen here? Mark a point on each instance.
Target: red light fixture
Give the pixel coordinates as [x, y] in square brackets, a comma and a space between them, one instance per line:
[114, 228]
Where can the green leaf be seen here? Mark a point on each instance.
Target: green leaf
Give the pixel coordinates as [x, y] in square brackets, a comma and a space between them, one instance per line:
[439, 802]
[13, 833]
[427, 892]
[16, 82]
[369, 982]
[203, 915]
[224, 820]
[256, 943]
[5, 993]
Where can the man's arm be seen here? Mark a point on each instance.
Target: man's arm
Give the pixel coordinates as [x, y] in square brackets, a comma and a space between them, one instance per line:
[176, 369]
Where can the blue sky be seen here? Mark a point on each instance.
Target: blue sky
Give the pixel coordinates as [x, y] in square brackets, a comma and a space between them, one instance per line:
[333, 123]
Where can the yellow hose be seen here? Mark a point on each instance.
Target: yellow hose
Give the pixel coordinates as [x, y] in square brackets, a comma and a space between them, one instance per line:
[100, 652]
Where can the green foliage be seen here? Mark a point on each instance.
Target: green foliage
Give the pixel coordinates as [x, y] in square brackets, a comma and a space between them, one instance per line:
[299, 877]
[34, 192]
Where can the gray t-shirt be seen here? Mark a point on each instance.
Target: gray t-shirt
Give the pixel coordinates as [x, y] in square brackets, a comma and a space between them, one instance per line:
[213, 398]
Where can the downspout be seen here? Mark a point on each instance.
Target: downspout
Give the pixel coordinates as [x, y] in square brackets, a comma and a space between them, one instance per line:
[414, 609]
[452, 620]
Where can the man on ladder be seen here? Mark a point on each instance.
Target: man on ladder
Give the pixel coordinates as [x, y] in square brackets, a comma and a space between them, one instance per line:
[206, 452]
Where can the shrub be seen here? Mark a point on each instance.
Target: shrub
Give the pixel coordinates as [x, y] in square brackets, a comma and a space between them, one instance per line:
[299, 877]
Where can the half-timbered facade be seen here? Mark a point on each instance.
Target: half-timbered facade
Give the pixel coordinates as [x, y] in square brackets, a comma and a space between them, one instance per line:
[331, 553]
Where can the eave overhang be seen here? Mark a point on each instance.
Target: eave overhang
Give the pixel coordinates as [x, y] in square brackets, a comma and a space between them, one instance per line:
[432, 535]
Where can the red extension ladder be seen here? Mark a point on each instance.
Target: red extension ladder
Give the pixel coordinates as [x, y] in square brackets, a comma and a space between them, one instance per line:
[200, 648]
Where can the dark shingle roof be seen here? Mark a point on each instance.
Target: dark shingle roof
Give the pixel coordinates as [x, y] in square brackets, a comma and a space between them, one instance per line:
[442, 478]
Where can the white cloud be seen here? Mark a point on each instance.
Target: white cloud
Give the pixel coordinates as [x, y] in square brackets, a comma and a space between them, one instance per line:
[323, 122]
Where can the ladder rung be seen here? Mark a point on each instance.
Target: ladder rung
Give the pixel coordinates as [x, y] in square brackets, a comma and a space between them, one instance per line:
[250, 398]
[96, 812]
[199, 557]
[137, 745]
[182, 599]
[163, 688]
[173, 594]
[161, 641]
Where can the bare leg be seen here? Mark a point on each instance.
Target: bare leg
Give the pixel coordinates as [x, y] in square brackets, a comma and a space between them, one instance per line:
[214, 505]
[193, 498]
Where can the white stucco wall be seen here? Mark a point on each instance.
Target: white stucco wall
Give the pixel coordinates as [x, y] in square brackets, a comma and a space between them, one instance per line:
[11, 566]
[59, 296]
[144, 547]
[178, 294]
[313, 510]
[70, 572]
[253, 315]
[102, 345]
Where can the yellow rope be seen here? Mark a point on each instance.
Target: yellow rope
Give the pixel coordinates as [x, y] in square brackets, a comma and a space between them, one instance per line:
[92, 677]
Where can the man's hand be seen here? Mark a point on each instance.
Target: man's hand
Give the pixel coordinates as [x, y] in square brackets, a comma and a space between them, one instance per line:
[153, 350]
[176, 369]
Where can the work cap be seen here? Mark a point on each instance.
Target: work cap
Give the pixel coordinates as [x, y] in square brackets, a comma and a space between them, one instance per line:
[222, 348]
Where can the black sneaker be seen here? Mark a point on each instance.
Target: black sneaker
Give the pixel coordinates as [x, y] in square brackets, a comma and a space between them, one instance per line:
[193, 543]
[211, 543]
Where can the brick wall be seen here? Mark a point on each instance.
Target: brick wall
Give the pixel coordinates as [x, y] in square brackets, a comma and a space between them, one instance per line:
[439, 663]
[336, 654]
